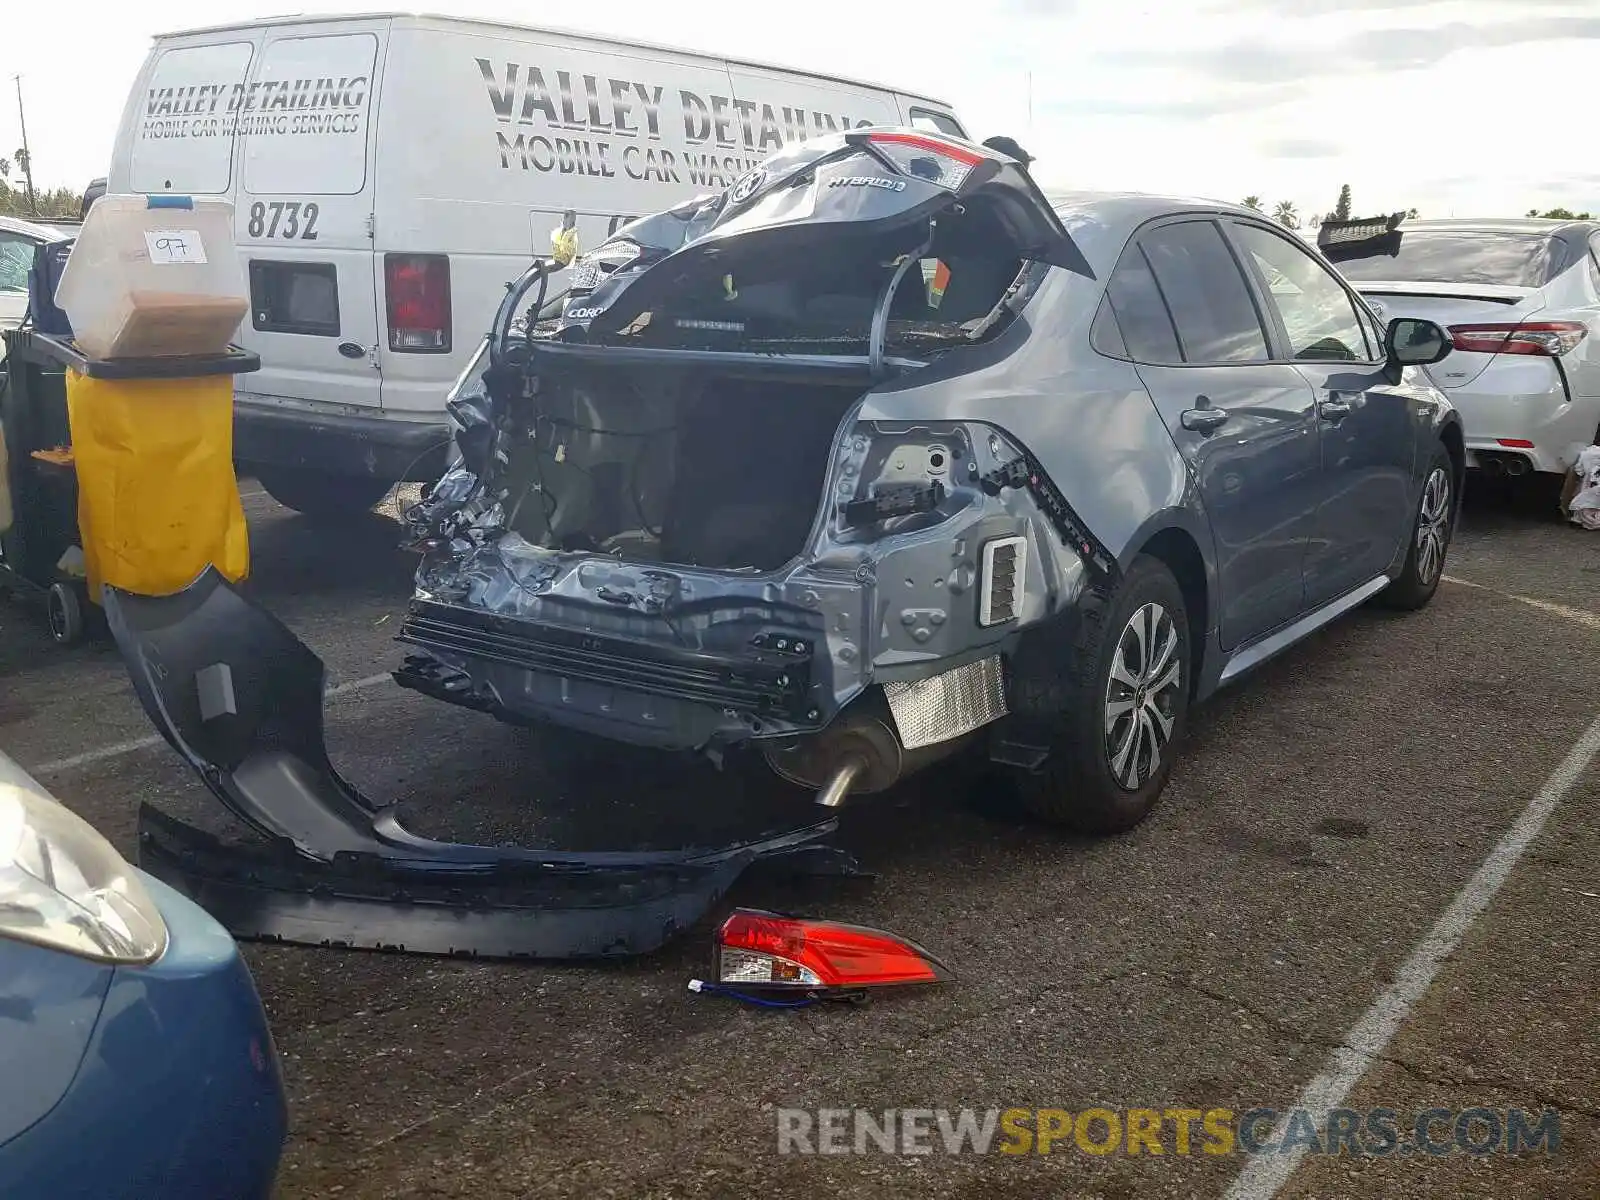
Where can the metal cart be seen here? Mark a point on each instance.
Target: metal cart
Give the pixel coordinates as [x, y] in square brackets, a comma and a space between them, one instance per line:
[41, 553]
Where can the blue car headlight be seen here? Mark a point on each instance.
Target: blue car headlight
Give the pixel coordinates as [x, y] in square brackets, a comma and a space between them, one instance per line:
[64, 886]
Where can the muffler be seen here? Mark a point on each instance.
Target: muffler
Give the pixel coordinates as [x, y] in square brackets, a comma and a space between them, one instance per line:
[859, 752]
[1516, 465]
[893, 732]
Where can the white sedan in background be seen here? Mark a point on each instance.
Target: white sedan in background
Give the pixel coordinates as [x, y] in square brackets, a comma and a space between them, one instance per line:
[17, 240]
[1521, 301]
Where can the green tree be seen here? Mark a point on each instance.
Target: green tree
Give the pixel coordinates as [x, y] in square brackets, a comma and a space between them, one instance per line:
[1285, 214]
[1341, 210]
[1560, 214]
[1252, 202]
[1412, 213]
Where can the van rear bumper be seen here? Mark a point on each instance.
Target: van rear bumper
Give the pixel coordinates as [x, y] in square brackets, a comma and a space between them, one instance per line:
[266, 434]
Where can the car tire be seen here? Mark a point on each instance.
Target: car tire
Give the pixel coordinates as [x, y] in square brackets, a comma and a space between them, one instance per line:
[1126, 691]
[1428, 541]
[322, 496]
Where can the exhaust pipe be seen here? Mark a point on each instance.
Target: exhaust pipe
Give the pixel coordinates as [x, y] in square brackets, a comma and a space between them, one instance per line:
[858, 753]
[1516, 464]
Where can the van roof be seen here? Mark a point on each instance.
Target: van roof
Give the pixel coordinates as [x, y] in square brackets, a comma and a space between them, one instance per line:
[428, 19]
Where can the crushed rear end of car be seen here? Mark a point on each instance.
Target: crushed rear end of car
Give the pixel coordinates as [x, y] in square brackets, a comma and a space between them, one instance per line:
[671, 523]
[744, 488]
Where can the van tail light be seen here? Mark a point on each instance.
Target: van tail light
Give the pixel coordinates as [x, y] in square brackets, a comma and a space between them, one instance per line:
[765, 951]
[926, 156]
[417, 291]
[1548, 338]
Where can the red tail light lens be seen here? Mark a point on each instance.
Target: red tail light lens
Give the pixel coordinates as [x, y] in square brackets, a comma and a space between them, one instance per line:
[1548, 338]
[1515, 443]
[927, 157]
[759, 949]
[417, 292]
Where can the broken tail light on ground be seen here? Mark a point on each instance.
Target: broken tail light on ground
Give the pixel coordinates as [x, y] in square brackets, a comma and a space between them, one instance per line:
[767, 956]
[1550, 339]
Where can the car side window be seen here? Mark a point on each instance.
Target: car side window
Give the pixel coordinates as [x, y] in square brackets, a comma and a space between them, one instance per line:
[16, 259]
[1317, 312]
[1206, 293]
[1141, 314]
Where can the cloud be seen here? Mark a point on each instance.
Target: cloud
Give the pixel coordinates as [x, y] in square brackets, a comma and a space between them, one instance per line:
[1256, 61]
[1303, 148]
[1189, 106]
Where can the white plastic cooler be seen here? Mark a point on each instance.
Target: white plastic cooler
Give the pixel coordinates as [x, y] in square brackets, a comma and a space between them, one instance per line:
[154, 277]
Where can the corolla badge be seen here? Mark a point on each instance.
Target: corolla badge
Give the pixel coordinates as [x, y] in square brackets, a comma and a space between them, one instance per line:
[745, 186]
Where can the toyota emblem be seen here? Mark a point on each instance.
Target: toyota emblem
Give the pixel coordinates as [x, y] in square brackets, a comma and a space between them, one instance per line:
[747, 185]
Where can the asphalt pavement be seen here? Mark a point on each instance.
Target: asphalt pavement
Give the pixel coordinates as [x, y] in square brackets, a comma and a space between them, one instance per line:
[1331, 815]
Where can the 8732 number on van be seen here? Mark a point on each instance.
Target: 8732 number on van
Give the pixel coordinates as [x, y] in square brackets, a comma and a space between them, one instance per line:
[284, 219]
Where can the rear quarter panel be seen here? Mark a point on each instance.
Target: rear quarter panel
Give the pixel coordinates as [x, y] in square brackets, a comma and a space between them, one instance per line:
[1086, 418]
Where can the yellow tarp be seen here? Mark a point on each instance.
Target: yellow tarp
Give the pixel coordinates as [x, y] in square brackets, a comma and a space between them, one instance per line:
[158, 501]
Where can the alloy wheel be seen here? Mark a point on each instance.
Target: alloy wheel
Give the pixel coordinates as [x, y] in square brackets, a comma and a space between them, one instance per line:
[1433, 526]
[1142, 695]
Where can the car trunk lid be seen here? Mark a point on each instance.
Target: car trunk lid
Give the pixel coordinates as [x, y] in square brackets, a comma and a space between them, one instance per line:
[854, 195]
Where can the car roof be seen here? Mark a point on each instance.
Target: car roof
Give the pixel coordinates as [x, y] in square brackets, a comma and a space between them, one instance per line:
[1507, 225]
[427, 19]
[29, 229]
[1102, 221]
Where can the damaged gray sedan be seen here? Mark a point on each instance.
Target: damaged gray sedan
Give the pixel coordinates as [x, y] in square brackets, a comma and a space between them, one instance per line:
[881, 454]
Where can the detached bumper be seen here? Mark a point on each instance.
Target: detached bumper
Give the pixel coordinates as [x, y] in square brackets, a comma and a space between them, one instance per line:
[240, 698]
[339, 443]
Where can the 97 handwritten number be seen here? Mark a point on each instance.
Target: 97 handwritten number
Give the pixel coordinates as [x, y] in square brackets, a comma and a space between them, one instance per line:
[286, 219]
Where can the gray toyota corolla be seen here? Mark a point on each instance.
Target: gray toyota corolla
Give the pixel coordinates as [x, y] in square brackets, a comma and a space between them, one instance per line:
[882, 454]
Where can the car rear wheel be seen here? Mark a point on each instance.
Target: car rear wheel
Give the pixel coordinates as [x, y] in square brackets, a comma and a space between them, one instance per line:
[1127, 704]
[322, 496]
[1431, 531]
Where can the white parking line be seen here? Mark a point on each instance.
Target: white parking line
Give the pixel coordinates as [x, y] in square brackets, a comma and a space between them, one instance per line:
[1265, 1175]
[1582, 617]
[118, 749]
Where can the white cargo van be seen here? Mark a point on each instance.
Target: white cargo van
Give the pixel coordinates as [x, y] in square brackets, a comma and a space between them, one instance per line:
[391, 173]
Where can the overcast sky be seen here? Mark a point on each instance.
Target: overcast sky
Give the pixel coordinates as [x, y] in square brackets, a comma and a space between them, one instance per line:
[1470, 107]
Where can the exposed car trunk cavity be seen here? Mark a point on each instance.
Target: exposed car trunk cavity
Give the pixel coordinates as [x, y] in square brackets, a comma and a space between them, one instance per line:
[695, 469]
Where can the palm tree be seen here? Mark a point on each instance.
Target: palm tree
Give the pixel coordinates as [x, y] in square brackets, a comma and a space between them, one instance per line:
[1284, 214]
[1252, 202]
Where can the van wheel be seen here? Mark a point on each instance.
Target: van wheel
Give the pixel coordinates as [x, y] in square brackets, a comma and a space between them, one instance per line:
[320, 495]
[1126, 688]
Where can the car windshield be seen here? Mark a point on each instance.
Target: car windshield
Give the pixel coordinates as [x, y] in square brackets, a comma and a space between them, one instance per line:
[16, 257]
[1516, 260]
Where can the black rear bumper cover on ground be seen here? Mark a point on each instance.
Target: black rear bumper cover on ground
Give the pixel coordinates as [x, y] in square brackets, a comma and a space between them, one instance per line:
[240, 698]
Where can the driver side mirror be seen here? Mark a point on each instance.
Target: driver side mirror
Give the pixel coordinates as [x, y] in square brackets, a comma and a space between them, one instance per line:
[1413, 342]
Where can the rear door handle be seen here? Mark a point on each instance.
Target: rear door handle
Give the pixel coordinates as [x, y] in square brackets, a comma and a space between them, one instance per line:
[1204, 420]
[1333, 408]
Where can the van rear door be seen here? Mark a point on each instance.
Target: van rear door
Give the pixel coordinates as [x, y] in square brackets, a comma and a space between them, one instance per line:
[178, 130]
[303, 215]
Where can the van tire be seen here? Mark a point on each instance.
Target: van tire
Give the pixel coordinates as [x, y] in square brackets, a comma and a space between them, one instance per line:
[322, 496]
[1077, 787]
